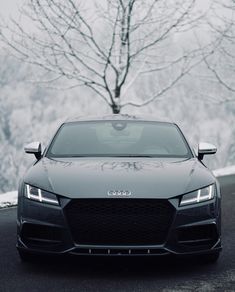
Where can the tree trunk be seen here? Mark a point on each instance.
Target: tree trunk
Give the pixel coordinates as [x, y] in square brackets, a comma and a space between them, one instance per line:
[115, 108]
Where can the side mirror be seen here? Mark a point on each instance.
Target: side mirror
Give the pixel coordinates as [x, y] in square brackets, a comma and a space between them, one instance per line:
[34, 148]
[205, 149]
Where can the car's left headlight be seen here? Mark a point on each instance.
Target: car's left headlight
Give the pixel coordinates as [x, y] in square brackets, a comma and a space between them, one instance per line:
[39, 195]
[201, 195]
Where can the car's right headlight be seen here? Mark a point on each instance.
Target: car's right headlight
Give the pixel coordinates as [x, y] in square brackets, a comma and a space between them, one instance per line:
[201, 195]
[39, 195]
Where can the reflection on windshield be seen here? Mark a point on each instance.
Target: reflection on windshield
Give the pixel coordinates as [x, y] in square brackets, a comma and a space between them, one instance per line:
[119, 139]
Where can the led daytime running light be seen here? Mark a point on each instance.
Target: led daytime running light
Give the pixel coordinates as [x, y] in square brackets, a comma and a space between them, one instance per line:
[199, 196]
[40, 196]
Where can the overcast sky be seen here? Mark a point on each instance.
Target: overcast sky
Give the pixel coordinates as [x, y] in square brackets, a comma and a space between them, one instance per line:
[9, 7]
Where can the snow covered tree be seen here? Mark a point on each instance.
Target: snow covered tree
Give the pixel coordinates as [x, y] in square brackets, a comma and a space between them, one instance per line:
[221, 63]
[107, 45]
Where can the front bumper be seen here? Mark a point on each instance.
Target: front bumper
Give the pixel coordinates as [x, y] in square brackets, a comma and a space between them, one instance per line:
[194, 229]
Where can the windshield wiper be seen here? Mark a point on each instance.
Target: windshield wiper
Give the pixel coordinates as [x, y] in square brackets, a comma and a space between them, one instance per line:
[116, 155]
[135, 155]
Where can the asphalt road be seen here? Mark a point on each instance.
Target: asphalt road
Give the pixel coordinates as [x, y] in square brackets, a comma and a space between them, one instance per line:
[120, 274]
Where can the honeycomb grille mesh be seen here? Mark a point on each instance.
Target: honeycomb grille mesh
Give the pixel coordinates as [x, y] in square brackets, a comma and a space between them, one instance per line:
[119, 221]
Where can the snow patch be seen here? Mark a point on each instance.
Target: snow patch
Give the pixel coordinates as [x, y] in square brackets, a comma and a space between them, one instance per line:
[229, 170]
[8, 199]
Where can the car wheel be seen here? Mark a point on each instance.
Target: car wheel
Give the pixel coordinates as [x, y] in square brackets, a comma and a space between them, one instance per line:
[210, 258]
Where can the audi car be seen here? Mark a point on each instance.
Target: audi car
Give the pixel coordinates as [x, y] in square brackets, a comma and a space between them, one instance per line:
[119, 185]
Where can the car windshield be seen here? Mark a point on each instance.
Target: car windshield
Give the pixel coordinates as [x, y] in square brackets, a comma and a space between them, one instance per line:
[119, 139]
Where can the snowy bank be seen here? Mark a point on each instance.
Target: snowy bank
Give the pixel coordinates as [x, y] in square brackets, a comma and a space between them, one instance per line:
[229, 170]
[10, 198]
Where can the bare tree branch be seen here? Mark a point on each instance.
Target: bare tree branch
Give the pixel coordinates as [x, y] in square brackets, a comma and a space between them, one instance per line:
[105, 46]
[221, 65]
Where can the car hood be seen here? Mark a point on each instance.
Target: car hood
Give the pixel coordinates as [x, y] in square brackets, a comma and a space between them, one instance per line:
[143, 177]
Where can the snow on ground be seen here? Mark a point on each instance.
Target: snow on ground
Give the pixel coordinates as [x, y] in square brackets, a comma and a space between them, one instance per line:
[229, 170]
[10, 198]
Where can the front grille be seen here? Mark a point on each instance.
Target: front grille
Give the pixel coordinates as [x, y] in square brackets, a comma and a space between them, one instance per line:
[119, 221]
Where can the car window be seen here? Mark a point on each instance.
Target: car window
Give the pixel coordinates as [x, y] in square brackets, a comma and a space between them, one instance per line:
[119, 138]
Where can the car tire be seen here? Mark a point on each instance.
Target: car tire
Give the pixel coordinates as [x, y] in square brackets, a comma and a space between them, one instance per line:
[210, 258]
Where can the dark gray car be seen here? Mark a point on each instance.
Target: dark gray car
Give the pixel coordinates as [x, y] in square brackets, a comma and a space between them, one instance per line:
[119, 185]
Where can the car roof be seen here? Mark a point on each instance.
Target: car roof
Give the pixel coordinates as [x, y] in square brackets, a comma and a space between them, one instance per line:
[122, 117]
